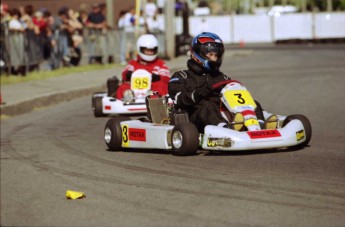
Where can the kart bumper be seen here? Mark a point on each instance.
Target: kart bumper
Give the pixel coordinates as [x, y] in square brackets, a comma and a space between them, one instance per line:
[217, 138]
[115, 106]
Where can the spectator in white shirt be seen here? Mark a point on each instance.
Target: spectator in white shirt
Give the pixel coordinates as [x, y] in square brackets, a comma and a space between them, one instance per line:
[150, 8]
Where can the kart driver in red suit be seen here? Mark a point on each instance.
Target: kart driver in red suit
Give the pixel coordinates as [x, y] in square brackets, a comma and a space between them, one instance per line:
[147, 47]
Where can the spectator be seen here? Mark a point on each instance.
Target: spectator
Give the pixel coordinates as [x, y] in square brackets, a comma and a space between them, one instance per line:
[160, 6]
[39, 21]
[82, 17]
[63, 29]
[150, 9]
[96, 19]
[27, 18]
[96, 24]
[5, 17]
[121, 25]
[17, 57]
[129, 29]
[76, 32]
[153, 25]
[15, 24]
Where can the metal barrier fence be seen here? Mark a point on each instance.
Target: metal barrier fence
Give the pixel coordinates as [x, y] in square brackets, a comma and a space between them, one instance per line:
[20, 49]
[29, 51]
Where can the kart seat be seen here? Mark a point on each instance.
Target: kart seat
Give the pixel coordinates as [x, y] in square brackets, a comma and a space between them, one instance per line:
[157, 109]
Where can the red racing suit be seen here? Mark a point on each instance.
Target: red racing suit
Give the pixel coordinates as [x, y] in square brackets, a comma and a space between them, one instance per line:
[156, 67]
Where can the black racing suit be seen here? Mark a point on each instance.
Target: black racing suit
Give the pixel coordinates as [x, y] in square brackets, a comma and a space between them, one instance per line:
[186, 88]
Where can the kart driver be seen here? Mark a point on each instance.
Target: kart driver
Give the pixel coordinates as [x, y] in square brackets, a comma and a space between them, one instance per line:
[147, 47]
[193, 89]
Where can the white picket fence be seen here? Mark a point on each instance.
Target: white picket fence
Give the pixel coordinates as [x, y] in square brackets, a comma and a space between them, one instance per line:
[267, 29]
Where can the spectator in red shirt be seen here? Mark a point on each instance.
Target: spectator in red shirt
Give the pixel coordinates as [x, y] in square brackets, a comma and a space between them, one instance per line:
[147, 47]
[40, 21]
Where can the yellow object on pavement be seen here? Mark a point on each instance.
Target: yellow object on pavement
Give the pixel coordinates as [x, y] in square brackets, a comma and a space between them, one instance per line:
[74, 195]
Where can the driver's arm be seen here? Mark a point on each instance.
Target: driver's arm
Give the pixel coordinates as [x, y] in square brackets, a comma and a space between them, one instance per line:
[178, 92]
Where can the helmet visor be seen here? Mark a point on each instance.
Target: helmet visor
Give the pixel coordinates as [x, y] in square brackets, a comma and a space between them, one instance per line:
[149, 51]
[216, 49]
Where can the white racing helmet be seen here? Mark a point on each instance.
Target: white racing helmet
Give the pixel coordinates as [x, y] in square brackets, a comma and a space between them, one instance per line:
[149, 42]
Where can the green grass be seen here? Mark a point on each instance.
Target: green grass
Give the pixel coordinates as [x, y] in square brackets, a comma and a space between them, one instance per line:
[12, 79]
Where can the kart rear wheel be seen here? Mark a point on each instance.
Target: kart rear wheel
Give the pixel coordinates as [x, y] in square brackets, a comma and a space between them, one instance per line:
[94, 95]
[185, 139]
[113, 133]
[306, 126]
[112, 86]
[259, 111]
[98, 107]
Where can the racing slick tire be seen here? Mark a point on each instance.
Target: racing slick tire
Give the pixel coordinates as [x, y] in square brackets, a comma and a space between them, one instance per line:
[94, 95]
[113, 133]
[306, 126]
[98, 107]
[112, 86]
[185, 139]
[259, 111]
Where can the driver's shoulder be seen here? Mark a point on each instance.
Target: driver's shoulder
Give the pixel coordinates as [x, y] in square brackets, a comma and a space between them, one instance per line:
[183, 74]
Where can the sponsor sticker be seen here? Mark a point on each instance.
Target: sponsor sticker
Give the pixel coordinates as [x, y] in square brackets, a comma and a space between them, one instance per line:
[263, 134]
[137, 134]
[219, 142]
[300, 135]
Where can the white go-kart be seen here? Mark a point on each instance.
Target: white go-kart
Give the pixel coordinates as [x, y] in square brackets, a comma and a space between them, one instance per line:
[105, 103]
[249, 127]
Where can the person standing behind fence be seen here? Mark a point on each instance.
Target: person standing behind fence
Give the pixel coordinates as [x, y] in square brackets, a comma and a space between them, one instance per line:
[150, 9]
[120, 26]
[27, 18]
[16, 42]
[96, 24]
[129, 29]
[76, 32]
[63, 35]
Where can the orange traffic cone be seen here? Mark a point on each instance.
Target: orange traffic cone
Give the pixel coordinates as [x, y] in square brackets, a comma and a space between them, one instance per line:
[1, 103]
[241, 43]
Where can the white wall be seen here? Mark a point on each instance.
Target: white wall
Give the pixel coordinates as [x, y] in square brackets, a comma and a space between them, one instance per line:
[266, 29]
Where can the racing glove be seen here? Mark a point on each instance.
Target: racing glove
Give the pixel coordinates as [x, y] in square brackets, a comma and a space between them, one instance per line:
[155, 77]
[201, 93]
[128, 75]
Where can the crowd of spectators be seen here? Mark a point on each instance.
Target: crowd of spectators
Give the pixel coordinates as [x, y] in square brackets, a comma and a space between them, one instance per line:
[59, 35]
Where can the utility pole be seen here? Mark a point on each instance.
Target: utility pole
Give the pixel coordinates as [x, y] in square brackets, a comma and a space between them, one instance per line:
[110, 13]
[170, 28]
[303, 5]
[329, 6]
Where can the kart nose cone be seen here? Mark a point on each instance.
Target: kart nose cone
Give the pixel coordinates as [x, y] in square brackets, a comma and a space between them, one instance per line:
[177, 139]
[107, 135]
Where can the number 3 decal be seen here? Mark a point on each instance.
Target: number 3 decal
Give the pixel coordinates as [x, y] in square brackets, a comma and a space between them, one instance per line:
[125, 136]
[240, 100]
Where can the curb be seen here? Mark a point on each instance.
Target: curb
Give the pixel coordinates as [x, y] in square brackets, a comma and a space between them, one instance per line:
[45, 101]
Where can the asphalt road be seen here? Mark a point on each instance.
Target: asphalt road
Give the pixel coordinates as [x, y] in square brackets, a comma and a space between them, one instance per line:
[49, 151]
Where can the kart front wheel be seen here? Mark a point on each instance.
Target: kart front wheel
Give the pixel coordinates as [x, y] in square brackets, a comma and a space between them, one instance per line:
[113, 133]
[185, 139]
[306, 126]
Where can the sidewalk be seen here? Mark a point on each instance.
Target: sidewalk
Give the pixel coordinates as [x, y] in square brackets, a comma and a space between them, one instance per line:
[27, 96]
